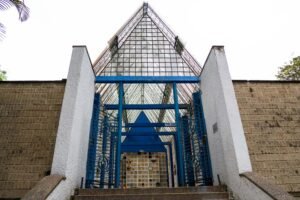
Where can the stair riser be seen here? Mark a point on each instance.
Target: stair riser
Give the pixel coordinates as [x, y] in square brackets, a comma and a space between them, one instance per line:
[156, 197]
[148, 190]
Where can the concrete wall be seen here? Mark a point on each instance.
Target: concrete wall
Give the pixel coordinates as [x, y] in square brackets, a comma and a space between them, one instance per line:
[228, 147]
[71, 146]
[270, 112]
[29, 115]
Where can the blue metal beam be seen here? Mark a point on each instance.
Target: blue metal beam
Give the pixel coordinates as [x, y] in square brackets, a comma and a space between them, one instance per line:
[146, 147]
[118, 154]
[200, 126]
[147, 79]
[167, 167]
[148, 133]
[190, 180]
[144, 106]
[154, 144]
[103, 156]
[171, 163]
[179, 157]
[150, 125]
[94, 130]
[111, 161]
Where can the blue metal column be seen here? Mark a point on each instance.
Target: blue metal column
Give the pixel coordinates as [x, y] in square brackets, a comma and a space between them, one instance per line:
[171, 163]
[91, 160]
[167, 167]
[200, 126]
[104, 144]
[190, 180]
[118, 154]
[179, 157]
[111, 160]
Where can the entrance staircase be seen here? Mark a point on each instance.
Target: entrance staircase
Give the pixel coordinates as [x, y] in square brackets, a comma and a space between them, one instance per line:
[188, 193]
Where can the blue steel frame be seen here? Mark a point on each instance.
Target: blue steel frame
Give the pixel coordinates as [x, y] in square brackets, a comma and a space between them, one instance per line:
[144, 106]
[179, 157]
[118, 153]
[167, 167]
[190, 180]
[91, 159]
[204, 155]
[152, 144]
[146, 133]
[104, 144]
[128, 125]
[149, 133]
[111, 161]
[115, 160]
[147, 79]
[171, 162]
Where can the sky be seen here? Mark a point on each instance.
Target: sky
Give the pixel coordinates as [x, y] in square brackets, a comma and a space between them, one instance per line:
[258, 35]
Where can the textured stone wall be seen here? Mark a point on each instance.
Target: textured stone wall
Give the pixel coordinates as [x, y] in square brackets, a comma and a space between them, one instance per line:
[29, 115]
[270, 112]
[144, 170]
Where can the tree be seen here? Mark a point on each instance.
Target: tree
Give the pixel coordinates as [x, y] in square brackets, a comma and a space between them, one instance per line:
[2, 75]
[23, 11]
[290, 71]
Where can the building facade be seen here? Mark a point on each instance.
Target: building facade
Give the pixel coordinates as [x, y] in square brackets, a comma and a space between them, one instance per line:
[146, 114]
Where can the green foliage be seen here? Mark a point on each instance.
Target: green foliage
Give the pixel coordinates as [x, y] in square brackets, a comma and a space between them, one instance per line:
[290, 71]
[2, 75]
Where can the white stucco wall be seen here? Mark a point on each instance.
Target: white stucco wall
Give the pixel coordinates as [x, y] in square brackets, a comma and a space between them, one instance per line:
[71, 147]
[228, 147]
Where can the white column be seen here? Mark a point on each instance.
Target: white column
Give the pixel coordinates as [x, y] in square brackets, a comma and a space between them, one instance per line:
[71, 147]
[227, 142]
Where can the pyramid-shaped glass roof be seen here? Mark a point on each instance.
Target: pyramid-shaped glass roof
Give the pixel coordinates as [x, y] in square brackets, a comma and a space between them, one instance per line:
[145, 42]
[147, 52]
[145, 46]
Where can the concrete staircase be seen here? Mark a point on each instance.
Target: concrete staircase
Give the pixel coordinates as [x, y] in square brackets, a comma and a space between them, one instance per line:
[190, 193]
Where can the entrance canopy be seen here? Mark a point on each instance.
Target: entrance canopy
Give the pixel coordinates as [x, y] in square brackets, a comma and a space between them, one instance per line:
[145, 47]
[146, 89]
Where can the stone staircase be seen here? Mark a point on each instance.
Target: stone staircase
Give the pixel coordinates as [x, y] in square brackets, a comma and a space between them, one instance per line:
[188, 193]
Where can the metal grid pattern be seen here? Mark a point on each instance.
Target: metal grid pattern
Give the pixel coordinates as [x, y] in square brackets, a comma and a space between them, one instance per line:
[145, 46]
[194, 65]
[121, 36]
[147, 52]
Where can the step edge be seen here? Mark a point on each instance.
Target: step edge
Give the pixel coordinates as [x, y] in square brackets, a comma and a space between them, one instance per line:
[157, 194]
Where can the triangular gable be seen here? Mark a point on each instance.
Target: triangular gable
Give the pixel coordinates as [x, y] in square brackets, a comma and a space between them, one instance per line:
[145, 46]
[147, 52]
[134, 142]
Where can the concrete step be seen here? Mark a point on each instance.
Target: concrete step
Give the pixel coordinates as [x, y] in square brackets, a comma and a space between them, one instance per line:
[171, 196]
[190, 193]
[98, 191]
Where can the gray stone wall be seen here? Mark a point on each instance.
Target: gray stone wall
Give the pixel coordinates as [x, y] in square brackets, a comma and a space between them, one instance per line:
[29, 115]
[270, 112]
